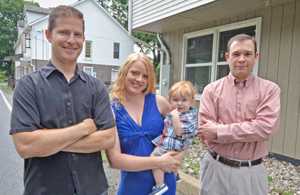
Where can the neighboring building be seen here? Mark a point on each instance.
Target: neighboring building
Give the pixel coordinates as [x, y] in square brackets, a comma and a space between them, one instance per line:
[196, 33]
[106, 47]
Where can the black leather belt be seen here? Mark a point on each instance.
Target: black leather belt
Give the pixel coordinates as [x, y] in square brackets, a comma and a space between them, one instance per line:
[235, 163]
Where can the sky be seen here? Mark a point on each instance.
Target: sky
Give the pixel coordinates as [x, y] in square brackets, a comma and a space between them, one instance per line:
[54, 3]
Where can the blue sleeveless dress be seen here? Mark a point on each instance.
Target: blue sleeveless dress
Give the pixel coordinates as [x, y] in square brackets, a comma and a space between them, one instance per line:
[136, 140]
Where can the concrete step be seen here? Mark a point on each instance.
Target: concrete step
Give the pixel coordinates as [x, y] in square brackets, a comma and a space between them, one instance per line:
[188, 185]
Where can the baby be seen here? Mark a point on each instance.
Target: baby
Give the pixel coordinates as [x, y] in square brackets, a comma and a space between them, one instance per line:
[180, 128]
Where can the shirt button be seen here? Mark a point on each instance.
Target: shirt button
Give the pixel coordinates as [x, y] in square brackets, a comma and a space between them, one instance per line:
[68, 103]
[70, 121]
[74, 156]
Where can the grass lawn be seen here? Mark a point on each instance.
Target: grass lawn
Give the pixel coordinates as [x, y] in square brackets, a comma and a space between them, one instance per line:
[8, 92]
[4, 87]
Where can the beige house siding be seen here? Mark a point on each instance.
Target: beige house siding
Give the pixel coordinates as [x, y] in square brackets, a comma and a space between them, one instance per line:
[147, 11]
[294, 95]
[279, 62]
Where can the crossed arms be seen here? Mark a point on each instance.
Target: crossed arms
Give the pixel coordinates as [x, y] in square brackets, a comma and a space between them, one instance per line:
[34, 140]
[80, 138]
[257, 129]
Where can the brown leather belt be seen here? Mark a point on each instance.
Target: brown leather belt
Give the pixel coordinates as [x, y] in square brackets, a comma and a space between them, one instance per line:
[235, 163]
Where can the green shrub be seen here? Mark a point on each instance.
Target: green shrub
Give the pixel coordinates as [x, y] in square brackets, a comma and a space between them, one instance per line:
[3, 76]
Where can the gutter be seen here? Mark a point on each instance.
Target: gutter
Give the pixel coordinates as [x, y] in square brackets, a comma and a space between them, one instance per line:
[164, 47]
[165, 63]
[129, 17]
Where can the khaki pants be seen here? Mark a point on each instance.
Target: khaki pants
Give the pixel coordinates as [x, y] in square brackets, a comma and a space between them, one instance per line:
[219, 179]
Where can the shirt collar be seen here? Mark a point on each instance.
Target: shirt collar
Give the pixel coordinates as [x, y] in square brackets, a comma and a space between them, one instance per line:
[245, 82]
[80, 73]
[50, 68]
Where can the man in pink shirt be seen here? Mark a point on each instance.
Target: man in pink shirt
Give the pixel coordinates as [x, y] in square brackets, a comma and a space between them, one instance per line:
[238, 114]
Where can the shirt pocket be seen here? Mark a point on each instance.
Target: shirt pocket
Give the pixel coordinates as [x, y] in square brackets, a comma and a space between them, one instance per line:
[225, 110]
[84, 105]
[250, 110]
[86, 109]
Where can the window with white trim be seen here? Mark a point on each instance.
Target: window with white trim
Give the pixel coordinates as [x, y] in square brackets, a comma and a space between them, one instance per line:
[88, 49]
[89, 70]
[27, 40]
[116, 52]
[204, 51]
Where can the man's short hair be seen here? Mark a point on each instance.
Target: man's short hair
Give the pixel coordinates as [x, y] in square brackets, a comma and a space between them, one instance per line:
[63, 11]
[240, 38]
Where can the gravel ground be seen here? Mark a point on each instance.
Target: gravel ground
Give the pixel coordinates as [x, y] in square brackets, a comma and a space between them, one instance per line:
[112, 176]
[283, 177]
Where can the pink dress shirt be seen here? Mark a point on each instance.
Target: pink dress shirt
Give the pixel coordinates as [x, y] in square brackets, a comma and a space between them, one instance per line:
[246, 113]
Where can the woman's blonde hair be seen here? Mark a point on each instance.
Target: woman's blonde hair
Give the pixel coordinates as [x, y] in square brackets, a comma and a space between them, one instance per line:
[182, 88]
[118, 88]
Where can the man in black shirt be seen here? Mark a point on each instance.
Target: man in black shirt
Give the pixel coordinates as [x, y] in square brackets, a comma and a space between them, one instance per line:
[61, 117]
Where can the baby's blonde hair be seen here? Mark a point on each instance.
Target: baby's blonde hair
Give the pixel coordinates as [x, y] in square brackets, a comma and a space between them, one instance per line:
[182, 88]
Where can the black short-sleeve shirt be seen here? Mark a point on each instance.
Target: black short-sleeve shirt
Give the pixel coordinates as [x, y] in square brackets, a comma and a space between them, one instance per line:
[45, 99]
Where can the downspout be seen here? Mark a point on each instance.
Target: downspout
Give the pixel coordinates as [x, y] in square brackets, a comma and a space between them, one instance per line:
[130, 17]
[165, 62]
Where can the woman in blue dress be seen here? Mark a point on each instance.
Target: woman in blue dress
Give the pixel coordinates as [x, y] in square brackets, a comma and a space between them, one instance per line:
[139, 119]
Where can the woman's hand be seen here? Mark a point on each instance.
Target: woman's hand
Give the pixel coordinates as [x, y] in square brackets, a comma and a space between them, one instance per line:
[179, 156]
[169, 161]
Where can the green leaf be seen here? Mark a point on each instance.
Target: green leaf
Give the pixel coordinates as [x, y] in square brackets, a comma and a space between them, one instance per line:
[288, 193]
[270, 179]
[11, 11]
